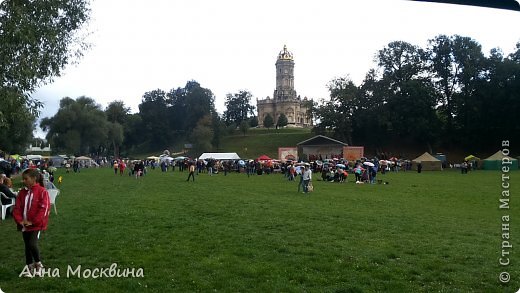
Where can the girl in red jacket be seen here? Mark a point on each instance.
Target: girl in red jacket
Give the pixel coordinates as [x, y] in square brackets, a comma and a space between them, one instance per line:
[31, 213]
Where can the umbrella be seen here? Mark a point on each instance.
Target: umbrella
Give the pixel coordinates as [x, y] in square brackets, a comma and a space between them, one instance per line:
[241, 163]
[341, 165]
[264, 158]
[369, 164]
[180, 158]
[166, 158]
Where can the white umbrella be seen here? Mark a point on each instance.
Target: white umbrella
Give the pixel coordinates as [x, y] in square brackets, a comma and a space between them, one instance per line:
[179, 158]
[341, 165]
[369, 164]
[166, 158]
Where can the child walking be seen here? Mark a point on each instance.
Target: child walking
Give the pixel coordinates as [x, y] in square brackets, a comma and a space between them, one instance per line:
[31, 213]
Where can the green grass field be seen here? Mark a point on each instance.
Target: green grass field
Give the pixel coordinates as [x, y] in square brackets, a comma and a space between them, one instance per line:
[429, 232]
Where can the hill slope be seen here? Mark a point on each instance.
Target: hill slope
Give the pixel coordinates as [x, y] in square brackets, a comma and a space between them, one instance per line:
[258, 142]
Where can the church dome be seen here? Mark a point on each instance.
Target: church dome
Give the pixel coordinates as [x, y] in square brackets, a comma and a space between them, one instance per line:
[284, 54]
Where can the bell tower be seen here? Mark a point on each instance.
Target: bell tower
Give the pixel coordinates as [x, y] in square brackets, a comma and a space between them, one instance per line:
[284, 76]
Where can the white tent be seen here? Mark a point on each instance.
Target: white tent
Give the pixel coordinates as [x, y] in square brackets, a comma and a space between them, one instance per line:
[428, 162]
[219, 156]
[86, 161]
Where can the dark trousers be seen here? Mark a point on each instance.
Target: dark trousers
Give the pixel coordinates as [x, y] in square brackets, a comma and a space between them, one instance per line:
[301, 183]
[306, 185]
[32, 252]
[192, 175]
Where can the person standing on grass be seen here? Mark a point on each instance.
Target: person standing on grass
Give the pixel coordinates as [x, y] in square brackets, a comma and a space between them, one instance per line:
[122, 167]
[116, 166]
[307, 177]
[31, 214]
[300, 183]
[191, 168]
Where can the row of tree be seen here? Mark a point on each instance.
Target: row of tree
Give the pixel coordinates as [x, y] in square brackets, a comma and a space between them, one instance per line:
[165, 119]
[448, 94]
[181, 114]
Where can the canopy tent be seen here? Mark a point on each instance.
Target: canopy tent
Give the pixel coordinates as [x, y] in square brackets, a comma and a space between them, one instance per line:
[88, 162]
[57, 160]
[428, 162]
[471, 158]
[264, 158]
[82, 158]
[494, 162]
[219, 156]
[16, 156]
[33, 157]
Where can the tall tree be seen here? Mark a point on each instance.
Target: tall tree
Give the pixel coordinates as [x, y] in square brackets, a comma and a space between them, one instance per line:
[409, 104]
[499, 93]
[154, 114]
[268, 121]
[188, 105]
[37, 40]
[456, 64]
[253, 121]
[133, 130]
[337, 114]
[16, 122]
[115, 136]
[371, 122]
[219, 128]
[282, 121]
[78, 127]
[244, 127]
[201, 136]
[238, 107]
[116, 113]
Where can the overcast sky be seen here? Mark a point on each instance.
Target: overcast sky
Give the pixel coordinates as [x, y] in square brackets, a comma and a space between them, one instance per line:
[232, 45]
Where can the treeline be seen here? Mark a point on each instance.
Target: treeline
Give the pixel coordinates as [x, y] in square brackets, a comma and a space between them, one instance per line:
[448, 94]
[165, 120]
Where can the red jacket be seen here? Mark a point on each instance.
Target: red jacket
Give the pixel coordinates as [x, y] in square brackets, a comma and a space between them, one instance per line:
[38, 207]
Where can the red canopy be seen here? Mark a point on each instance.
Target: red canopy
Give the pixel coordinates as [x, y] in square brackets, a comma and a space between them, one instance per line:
[264, 158]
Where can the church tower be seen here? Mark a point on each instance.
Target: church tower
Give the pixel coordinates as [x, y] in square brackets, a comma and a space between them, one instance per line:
[284, 76]
[284, 101]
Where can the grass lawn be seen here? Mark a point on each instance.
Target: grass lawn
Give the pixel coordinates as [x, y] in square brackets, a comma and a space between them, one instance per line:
[260, 141]
[435, 231]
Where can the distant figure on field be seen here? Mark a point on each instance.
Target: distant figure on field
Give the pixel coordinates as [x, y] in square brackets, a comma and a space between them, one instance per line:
[191, 168]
